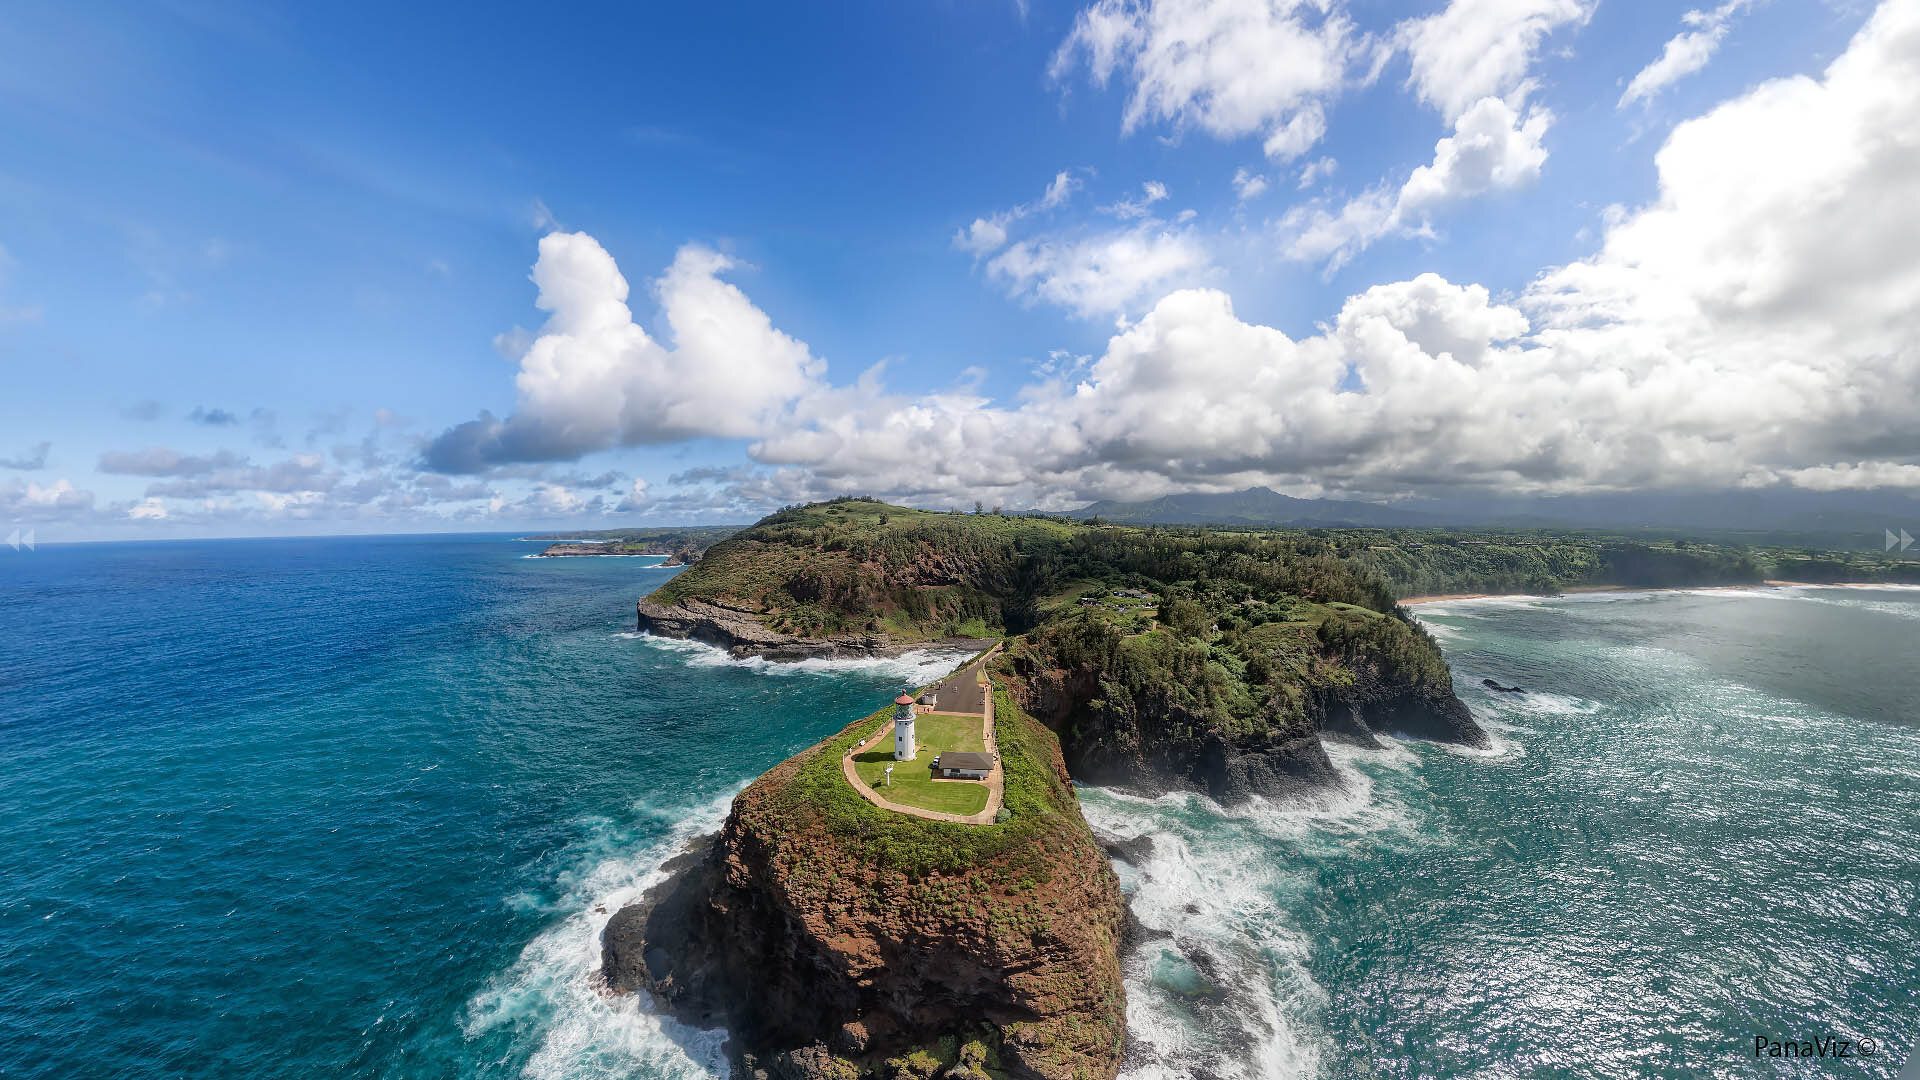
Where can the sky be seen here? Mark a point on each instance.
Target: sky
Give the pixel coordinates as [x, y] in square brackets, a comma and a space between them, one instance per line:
[298, 269]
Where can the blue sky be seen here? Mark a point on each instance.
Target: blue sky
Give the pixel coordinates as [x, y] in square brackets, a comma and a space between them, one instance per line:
[260, 260]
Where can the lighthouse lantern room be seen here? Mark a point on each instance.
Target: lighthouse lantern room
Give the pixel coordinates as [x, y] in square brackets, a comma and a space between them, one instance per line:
[903, 748]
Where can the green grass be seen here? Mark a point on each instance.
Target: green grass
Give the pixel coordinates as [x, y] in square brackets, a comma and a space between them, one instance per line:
[913, 783]
[1042, 808]
[943, 731]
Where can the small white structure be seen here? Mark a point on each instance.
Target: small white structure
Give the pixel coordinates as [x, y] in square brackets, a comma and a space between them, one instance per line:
[903, 749]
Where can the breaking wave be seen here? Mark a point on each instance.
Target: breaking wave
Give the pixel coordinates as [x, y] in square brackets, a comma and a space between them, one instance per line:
[552, 995]
[913, 666]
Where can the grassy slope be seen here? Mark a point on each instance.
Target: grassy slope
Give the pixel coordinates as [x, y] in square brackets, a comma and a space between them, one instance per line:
[913, 782]
[812, 794]
[857, 565]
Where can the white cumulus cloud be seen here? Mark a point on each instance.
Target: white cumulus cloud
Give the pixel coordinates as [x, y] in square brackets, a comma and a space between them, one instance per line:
[1472, 61]
[594, 379]
[1493, 147]
[987, 235]
[1231, 68]
[1685, 53]
[1474, 49]
[1102, 274]
[1756, 323]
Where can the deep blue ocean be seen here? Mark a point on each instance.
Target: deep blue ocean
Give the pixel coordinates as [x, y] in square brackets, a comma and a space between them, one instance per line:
[359, 807]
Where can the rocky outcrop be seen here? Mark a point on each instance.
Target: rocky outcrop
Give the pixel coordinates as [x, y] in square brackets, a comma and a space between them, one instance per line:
[1377, 706]
[1150, 743]
[739, 629]
[826, 954]
[580, 548]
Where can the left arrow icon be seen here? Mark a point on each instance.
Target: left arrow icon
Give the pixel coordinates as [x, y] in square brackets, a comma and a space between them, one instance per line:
[13, 540]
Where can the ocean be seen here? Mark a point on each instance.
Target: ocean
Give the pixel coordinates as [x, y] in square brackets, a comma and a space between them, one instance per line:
[360, 806]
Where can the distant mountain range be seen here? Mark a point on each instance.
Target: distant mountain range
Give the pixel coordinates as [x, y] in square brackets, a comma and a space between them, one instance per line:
[1850, 519]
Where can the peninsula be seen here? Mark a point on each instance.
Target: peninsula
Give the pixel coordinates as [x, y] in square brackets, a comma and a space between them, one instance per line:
[918, 896]
[679, 546]
[835, 938]
[1198, 660]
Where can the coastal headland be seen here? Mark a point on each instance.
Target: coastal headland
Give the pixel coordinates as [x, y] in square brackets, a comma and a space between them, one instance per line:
[1164, 660]
[678, 546]
[839, 933]
[836, 939]
[837, 936]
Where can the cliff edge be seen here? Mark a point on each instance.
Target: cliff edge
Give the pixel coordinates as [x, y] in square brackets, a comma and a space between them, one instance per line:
[834, 939]
[1210, 661]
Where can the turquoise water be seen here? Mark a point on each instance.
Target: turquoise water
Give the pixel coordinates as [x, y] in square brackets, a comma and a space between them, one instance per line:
[1698, 826]
[344, 806]
[360, 806]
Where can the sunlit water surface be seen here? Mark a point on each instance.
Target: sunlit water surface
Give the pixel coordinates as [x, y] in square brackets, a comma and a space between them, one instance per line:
[361, 806]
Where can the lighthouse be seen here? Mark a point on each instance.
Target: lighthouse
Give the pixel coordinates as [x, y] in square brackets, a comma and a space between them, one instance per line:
[903, 728]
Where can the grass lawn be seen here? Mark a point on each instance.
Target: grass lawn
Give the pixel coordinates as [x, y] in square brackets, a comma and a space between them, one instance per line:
[913, 783]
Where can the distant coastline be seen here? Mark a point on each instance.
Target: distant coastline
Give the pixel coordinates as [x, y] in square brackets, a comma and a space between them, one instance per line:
[1413, 601]
[599, 549]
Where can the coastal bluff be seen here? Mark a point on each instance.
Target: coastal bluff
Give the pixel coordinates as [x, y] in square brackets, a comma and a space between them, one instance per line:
[1201, 661]
[835, 939]
[743, 632]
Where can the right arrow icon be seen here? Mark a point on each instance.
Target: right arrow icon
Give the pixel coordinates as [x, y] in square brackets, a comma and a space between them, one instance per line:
[1903, 540]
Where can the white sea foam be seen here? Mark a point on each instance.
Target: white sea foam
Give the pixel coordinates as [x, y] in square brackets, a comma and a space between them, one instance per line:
[1860, 600]
[553, 990]
[537, 555]
[1227, 991]
[913, 666]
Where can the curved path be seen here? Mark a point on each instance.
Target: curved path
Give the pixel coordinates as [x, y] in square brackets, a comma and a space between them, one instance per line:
[996, 781]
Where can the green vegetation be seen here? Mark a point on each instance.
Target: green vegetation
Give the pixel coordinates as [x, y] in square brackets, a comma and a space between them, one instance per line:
[855, 564]
[914, 785]
[1425, 562]
[913, 781]
[1149, 646]
[1042, 809]
[657, 540]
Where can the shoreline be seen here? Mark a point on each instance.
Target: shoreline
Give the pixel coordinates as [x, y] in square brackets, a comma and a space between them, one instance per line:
[1414, 601]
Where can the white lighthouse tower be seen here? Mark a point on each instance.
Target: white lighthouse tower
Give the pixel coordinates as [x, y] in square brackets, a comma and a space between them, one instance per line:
[903, 749]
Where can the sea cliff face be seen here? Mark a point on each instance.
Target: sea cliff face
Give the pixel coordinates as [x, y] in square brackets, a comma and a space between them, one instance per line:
[741, 630]
[835, 939]
[1154, 729]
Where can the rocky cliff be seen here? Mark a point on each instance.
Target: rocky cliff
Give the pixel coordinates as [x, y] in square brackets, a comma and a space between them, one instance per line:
[835, 939]
[1212, 661]
[741, 629]
[1163, 710]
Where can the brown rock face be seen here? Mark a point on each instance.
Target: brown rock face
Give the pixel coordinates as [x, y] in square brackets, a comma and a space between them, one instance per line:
[738, 629]
[835, 942]
[1152, 738]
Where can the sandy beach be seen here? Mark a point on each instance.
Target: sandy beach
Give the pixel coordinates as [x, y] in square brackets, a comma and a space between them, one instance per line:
[1412, 601]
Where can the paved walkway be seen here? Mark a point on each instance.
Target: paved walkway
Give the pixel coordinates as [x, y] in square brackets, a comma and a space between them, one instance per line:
[996, 781]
